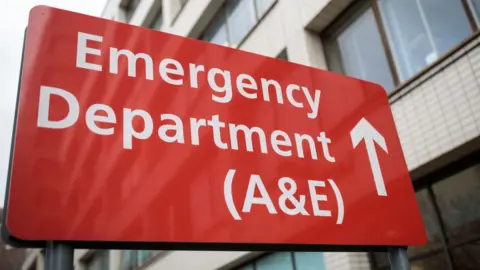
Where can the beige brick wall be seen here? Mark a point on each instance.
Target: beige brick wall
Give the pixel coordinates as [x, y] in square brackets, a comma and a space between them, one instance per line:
[440, 110]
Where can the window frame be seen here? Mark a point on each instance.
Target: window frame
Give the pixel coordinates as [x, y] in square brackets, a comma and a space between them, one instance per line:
[349, 15]
[426, 183]
[223, 8]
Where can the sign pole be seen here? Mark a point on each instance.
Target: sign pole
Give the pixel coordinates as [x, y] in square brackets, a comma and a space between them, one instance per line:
[398, 258]
[58, 256]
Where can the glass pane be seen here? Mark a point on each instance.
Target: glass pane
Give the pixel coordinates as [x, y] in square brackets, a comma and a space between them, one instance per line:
[217, 30]
[475, 7]
[467, 257]
[241, 19]
[362, 52]
[129, 259]
[143, 256]
[246, 267]
[430, 222]
[309, 261]
[262, 6]
[420, 31]
[458, 198]
[436, 262]
[381, 260]
[276, 261]
[158, 21]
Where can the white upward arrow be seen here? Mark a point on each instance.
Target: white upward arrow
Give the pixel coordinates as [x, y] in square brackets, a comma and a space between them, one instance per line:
[365, 131]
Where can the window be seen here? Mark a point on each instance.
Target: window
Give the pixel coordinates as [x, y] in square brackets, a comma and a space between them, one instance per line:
[475, 6]
[390, 41]
[99, 260]
[358, 51]
[157, 22]
[132, 259]
[235, 20]
[129, 6]
[419, 31]
[283, 55]
[287, 261]
[451, 214]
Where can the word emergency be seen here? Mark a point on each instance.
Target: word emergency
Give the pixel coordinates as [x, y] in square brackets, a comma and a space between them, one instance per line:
[101, 119]
[172, 72]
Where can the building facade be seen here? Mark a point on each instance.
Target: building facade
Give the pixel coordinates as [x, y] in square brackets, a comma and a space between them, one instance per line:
[425, 54]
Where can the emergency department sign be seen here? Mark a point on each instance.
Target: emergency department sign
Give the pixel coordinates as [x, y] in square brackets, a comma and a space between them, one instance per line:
[130, 135]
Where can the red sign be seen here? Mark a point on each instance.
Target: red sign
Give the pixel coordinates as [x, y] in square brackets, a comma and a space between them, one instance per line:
[126, 134]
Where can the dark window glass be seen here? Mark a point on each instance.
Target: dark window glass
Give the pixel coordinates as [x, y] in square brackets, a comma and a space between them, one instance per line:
[467, 256]
[458, 199]
[246, 267]
[436, 262]
[430, 221]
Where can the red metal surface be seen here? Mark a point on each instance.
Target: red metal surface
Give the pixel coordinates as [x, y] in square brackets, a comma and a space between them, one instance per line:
[73, 184]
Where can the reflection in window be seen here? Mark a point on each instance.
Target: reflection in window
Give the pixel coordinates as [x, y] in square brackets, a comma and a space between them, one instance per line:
[420, 31]
[459, 204]
[359, 49]
[234, 21]
[436, 262]
[467, 256]
[430, 221]
[455, 202]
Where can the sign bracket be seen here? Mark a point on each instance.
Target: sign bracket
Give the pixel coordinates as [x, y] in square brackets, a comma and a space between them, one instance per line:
[58, 256]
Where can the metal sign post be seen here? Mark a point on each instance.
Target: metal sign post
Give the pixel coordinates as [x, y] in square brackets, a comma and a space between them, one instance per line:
[398, 258]
[58, 256]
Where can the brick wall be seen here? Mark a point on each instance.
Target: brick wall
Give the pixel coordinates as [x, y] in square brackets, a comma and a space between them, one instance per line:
[441, 110]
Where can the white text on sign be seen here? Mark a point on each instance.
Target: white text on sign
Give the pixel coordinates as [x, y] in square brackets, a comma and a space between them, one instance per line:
[288, 187]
